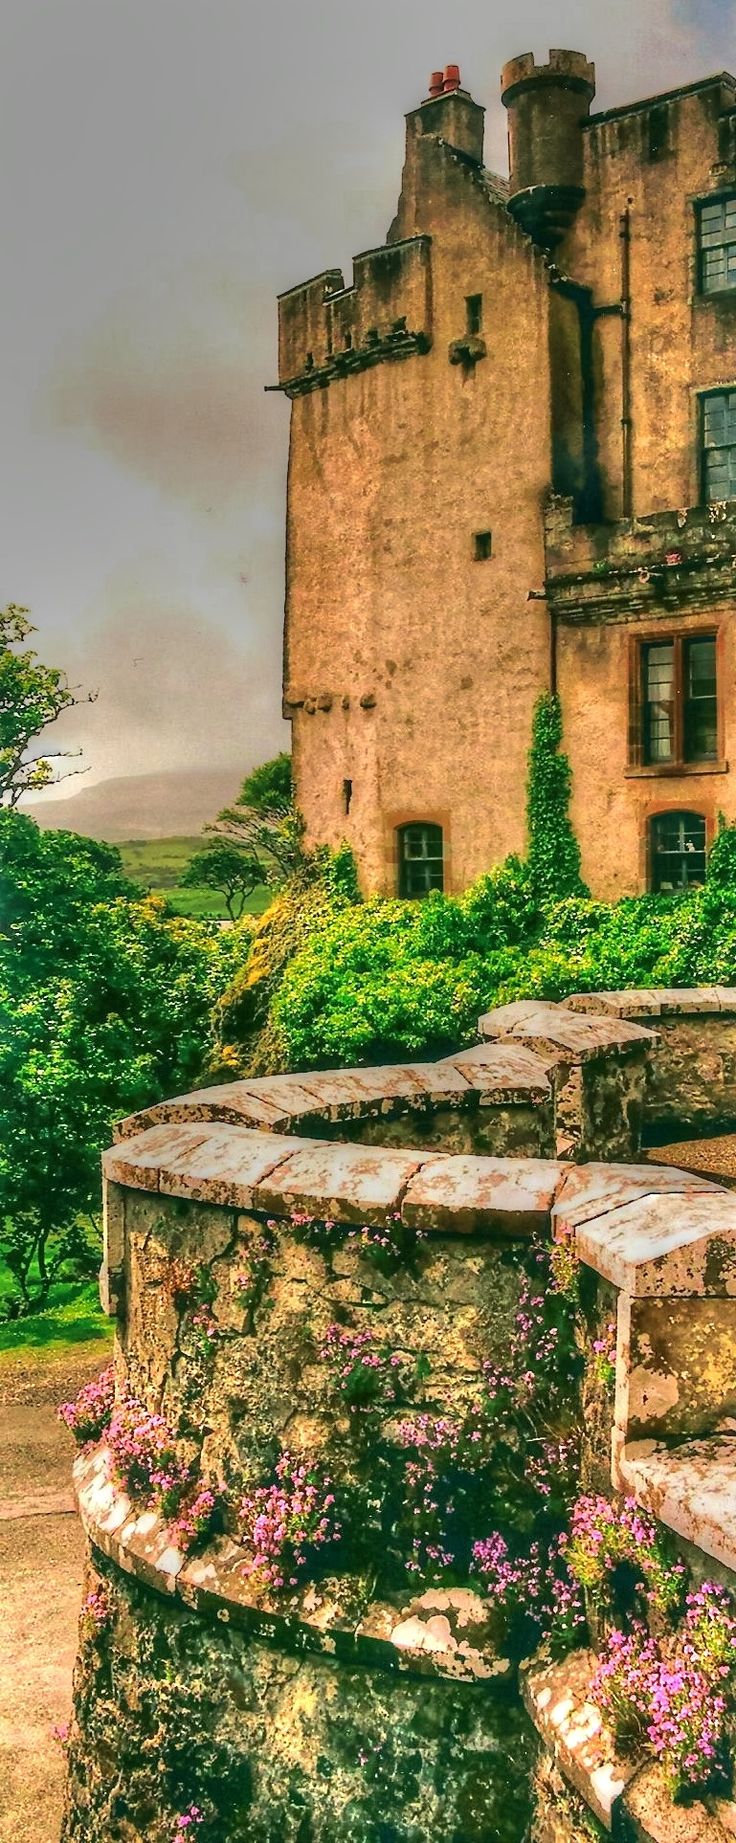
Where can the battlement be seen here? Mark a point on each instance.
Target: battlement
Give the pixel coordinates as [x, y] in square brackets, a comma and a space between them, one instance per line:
[328, 329]
[565, 69]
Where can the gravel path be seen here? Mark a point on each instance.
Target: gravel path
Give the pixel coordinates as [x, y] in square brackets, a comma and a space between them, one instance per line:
[715, 1158]
[41, 1555]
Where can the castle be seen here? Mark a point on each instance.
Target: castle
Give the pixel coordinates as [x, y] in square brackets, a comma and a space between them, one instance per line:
[513, 469]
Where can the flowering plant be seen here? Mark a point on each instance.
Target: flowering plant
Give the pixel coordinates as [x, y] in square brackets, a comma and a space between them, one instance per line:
[616, 1552]
[251, 1283]
[445, 1480]
[535, 1590]
[285, 1524]
[315, 1231]
[604, 1355]
[96, 1613]
[366, 1373]
[89, 1414]
[674, 1698]
[187, 1821]
[196, 1515]
[145, 1457]
[623, 1685]
[395, 1244]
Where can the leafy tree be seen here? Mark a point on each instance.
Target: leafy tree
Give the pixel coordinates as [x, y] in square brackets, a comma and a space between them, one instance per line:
[264, 821]
[32, 696]
[270, 788]
[234, 873]
[105, 1003]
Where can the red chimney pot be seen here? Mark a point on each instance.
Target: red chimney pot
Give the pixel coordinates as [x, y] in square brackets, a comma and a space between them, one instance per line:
[436, 83]
[451, 80]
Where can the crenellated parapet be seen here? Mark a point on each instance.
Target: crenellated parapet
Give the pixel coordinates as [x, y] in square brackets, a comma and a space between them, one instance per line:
[328, 330]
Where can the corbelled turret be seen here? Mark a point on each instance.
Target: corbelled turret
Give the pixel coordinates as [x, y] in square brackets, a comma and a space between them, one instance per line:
[547, 106]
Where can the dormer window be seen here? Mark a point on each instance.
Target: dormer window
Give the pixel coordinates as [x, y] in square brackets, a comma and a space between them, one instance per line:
[718, 245]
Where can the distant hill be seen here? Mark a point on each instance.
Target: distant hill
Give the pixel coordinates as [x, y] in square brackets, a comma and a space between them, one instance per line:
[171, 804]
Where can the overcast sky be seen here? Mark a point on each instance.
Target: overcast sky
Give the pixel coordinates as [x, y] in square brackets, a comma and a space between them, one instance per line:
[168, 166]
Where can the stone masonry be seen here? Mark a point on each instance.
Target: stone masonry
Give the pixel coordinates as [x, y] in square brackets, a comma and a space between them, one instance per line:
[350, 1707]
[500, 483]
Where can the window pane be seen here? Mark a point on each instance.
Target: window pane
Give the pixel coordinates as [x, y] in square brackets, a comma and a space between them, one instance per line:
[700, 700]
[677, 851]
[421, 866]
[717, 235]
[719, 443]
[659, 707]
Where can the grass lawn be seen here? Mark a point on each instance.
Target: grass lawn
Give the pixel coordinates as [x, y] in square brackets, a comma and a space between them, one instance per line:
[157, 864]
[72, 1316]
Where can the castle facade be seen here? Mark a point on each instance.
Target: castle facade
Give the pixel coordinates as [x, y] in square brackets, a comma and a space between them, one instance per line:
[513, 469]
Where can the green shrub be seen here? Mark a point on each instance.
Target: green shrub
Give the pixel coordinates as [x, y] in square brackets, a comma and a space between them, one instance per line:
[554, 853]
[722, 857]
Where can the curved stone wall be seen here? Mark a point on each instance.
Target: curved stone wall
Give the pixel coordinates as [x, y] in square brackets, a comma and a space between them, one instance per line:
[359, 1704]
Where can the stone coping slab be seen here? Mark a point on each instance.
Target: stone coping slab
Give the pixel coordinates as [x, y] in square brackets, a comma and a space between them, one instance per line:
[657, 1001]
[691, 1488]
[213, 1164]
[506, 1072]
[557, 1697]
[557, 1027]
[510, 1075]
[665, 1245]
[440, 1632]
[649, 1230]
[469, 1194]
[343, 1182]
[595, 1190]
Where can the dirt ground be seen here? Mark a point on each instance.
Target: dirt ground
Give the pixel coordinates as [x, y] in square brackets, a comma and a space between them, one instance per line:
[41, 1554]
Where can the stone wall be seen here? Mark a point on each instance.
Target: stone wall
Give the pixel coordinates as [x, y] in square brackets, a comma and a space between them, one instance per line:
[691, 1082]
[370, 1700]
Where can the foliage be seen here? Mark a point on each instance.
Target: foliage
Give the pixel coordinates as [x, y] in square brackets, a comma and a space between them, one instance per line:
[32, 696]
[364, 1371]
[269, 788]
[285, 1525]
[554, 853]
[722, 857]
[105, 1003]
[264, 821]
[618, 1555]
[227, 868]
[323, 887]
[336, 982]
[675, 1696]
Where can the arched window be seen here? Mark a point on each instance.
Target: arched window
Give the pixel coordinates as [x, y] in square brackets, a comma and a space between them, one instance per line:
[421, 865]
[676, 851]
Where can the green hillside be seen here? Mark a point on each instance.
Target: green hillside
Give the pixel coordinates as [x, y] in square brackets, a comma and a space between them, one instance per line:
[157, 864]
